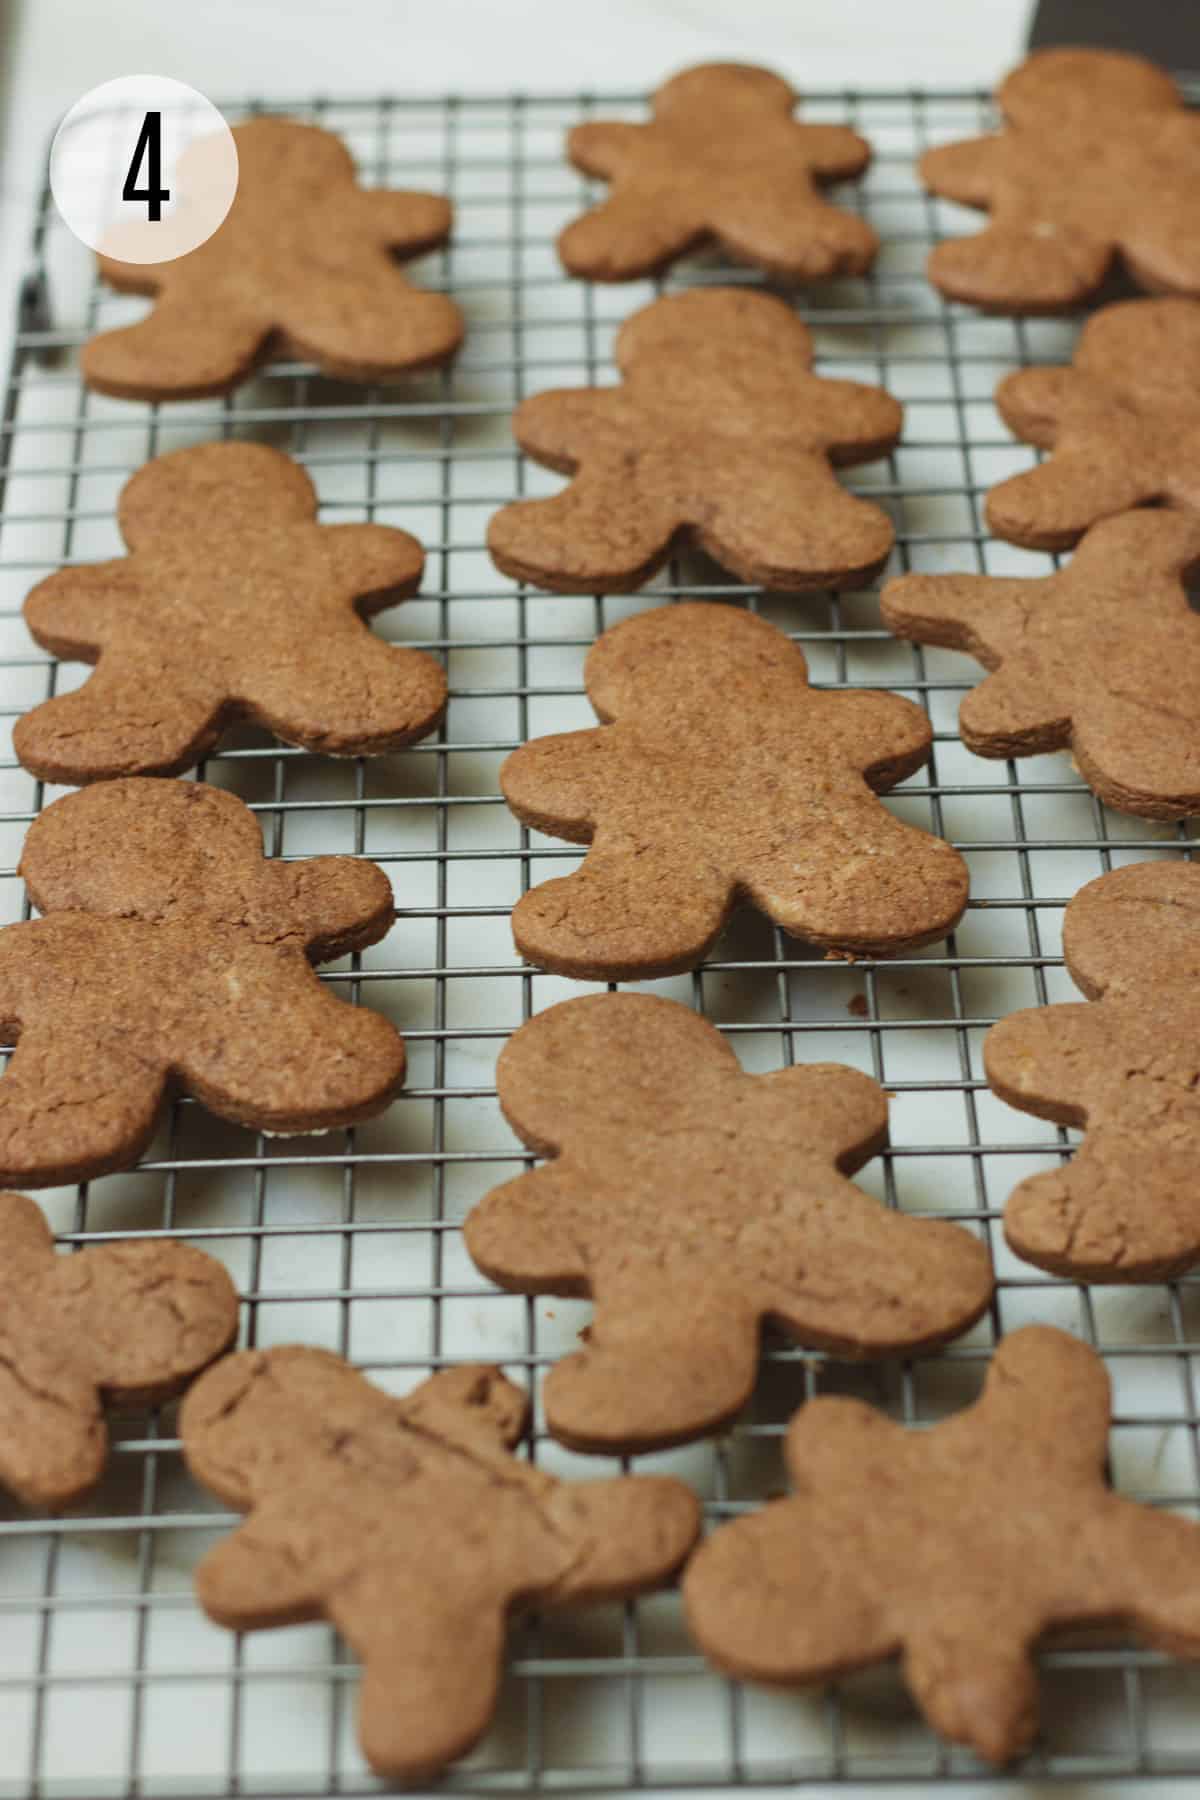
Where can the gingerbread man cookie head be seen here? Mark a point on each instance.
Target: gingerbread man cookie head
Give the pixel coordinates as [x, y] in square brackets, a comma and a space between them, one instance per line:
[1053, 86]
[693, 1202]
[1098, 158]
[303, 263]
[170, 504]
[684, 339]
[410, 1525]
[112, 1325]
[233, 603]
[998, 1529]
[170, 852]
[1125, 1069]
[722, 158]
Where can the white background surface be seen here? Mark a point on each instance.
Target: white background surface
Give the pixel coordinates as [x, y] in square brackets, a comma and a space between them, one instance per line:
[56, 49]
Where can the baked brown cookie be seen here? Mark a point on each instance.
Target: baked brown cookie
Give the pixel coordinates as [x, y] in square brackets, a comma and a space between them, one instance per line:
[693, 1202]
[1098, 158]
[1102, 658]
[411, 1527]
[722, 158]
[955, 1547]
[1126, 1070]
[720, 435]
[233, 603]
[174, 954]
[113, 1325]
[1121, 422]
[303, 265]
[725, 777]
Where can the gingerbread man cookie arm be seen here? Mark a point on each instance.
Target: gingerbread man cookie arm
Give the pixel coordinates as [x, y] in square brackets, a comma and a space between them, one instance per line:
[520, 1235]
[558, 427]
[334, 903]
[557, 784]
[1049, 1060]
[406, 221]
[195, 343]
[374, 565]
[851, 420]
[964, 171]
[887, 736]
[603, 147]
[253, 1578]
[1050, 507]
[72, 612]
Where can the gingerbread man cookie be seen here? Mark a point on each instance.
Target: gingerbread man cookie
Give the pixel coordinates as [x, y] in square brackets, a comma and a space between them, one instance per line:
[1102, 658]
[1121, 422]
[725, 777]
[303, 265]
[1099, 157]
[234, 603]
[113, 1325]
[955, 1547]
[720, 435]
[693, 1202]
[412, 1528]
[722, 158]
[174, 954]
[1126, 1070]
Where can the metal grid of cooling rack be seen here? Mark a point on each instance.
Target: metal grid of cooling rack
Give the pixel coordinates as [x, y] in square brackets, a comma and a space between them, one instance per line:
[111, 1682]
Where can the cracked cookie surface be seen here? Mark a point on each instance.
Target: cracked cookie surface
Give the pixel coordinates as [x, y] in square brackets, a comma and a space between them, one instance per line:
[694, 1202]
[111, 1325]
[232, 604]
[1102, 658]
[409, 1525]
[1125, 1068]
[172, 953]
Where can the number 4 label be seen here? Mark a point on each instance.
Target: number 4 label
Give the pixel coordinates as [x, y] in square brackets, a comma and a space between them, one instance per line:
[149, 149]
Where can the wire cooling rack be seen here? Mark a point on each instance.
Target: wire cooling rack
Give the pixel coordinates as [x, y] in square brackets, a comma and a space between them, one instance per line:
[111, 1681]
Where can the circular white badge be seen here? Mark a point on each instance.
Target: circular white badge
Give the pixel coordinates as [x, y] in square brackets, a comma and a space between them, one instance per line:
[143, 169]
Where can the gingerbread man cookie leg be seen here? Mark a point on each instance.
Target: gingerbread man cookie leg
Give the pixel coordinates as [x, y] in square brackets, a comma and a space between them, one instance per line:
[1050, 507]
[136, 714]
